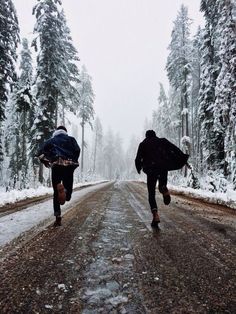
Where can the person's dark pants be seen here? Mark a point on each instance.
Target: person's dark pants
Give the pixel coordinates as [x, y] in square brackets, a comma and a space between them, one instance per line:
[64, 175]
[152, 177]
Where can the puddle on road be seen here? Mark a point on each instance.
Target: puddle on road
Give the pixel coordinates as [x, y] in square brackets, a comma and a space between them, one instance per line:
[109, 280]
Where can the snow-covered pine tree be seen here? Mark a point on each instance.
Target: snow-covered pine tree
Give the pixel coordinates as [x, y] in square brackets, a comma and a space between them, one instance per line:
[130, 170]
[56, 71]
[211, 141]
[161, 117]
[12, 144]
[225, 101]
[98, 139]
[24, 110]
[195, 87]
[118, 159]
[85, 111]
[113, 156]
[9, 39]
[178, 69]
[108, 153]
[69, 95]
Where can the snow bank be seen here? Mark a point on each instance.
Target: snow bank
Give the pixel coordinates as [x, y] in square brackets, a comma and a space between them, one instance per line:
[228, 198]
[13, 196]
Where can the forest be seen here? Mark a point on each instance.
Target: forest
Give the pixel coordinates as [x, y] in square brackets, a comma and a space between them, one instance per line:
[197, 112]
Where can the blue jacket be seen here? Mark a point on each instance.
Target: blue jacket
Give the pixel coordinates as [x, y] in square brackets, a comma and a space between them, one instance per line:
[60, 145]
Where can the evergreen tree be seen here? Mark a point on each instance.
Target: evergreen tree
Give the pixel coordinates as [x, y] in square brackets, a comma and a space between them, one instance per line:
[98, 139]
[20, 119]
[9, 39]
[69, 94]
[56, 71]
[211, 141]
[113, 156]
[129, 169]
[195, 88]
[108, 153]
[161, 117]
[86, 111]
[25, 103]
[178, 70]
[225, 92]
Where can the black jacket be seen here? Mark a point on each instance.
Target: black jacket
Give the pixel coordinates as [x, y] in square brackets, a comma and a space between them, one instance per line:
[159, 154]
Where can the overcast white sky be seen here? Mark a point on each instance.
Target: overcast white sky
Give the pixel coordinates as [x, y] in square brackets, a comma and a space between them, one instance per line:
[123, 44]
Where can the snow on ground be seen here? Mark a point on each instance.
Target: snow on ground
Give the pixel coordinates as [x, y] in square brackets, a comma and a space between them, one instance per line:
[12, 225]
[13, 196]
[227, 198]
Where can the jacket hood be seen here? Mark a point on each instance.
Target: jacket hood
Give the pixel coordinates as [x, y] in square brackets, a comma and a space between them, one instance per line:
[58, 132]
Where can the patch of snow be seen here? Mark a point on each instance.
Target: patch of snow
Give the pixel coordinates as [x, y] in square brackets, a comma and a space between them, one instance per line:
[100, 293]
[62, 286]
[117, 300]
[48, 306]
[14, 196]
[129, 256]
[227, 198]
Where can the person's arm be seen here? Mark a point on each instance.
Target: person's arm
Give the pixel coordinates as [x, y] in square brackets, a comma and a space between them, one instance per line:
[76, 147]
[41, 153]
[139, 159]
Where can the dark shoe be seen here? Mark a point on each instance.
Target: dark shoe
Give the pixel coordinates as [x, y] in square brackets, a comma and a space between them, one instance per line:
[166, 197]
[61, 194]
[155, 220]
[57, 222]
[155, 223]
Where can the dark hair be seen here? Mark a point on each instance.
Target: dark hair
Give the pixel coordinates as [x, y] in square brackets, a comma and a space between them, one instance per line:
[61, 127]
[150, 133]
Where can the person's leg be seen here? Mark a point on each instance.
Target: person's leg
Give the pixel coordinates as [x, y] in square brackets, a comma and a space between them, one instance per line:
[151, 185]
[68, 174]
[56, 179]
[163, 187]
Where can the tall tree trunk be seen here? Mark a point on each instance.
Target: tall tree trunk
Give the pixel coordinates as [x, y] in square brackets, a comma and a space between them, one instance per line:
[41, 173]
[95, 152]
[82, 151]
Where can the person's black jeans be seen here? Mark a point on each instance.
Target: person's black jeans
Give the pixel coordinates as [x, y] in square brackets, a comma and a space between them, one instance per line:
[64, 175]
[152, 177]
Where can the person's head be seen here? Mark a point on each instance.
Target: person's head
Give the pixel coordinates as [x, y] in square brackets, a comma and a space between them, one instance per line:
[150, 133]
[61, 127]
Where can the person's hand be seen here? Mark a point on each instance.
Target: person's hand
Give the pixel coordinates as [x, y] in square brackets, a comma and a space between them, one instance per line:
[46, 163]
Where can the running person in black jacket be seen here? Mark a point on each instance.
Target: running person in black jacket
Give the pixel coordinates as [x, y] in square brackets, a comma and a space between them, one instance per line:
[61, 153]
[156, 156]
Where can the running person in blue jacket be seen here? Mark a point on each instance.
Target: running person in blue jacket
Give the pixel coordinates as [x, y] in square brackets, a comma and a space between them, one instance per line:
[61, 153]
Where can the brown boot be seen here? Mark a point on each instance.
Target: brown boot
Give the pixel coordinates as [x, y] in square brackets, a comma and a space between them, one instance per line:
[166, 197]
[57, 222]
[61, 194]
[166, 194]
[156, 218]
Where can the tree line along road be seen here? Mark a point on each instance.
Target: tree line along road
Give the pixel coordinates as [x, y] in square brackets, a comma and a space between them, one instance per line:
[107, 259]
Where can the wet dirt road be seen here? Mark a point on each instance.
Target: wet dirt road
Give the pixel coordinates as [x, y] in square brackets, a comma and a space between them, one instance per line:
[107, 259]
